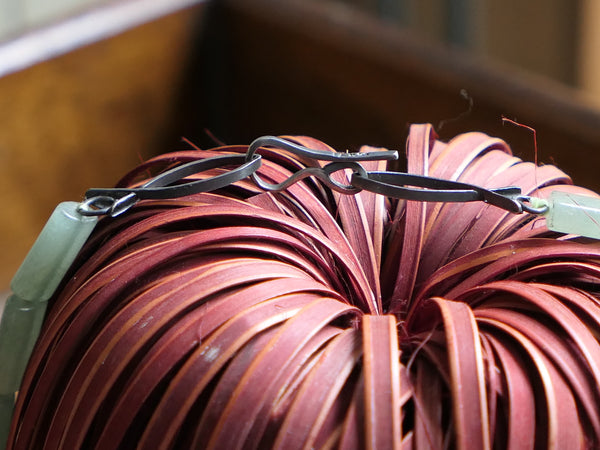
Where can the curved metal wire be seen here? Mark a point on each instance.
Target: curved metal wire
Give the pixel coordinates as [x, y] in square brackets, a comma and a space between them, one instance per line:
[168, 184]
[429, 189]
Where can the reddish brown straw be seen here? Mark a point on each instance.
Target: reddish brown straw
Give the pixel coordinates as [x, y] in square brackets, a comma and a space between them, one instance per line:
[309, 318]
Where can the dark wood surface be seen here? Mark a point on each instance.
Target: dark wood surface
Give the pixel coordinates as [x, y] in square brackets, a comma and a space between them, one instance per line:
[323, 69]
[245, 68]
[82, 120]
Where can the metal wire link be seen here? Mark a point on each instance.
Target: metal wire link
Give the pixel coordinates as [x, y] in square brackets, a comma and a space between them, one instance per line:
[172, 184]
[321, 155]
[324, 174]
[102, 205]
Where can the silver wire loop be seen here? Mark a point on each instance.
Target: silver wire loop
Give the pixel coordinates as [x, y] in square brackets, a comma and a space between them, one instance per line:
[102, 205]
[321, 155]
[322, 173]
[168, 184]
[524, 200]
[339, 161]
[173, 184]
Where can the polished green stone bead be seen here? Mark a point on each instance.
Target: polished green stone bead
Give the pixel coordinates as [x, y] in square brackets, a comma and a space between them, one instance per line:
[574, 214]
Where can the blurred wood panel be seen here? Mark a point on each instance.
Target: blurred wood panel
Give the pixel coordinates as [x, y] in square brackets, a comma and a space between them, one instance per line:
[541, 36]
[588, 53]
[536, 35]
[258, 67]
[83, 120]
[326, 69]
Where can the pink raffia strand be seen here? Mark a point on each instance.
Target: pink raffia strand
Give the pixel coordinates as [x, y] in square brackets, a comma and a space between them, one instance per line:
[308, 318]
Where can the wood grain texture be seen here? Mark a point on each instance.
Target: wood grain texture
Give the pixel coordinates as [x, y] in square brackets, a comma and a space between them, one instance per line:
[259, 67]
[82, 120]
[329, 71]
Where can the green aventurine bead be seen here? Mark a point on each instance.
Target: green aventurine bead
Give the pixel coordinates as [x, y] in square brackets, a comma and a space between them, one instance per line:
[52, 253]
[574, 214]
[34, 283]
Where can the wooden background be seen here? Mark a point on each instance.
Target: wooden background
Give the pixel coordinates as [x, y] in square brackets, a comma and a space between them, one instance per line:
[82, 120]
[245, 68]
